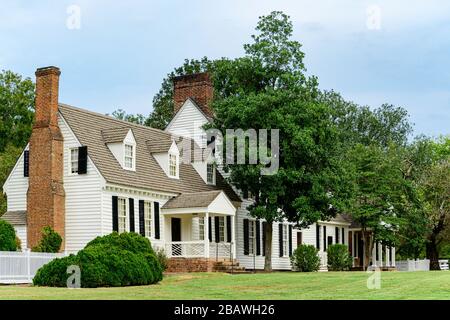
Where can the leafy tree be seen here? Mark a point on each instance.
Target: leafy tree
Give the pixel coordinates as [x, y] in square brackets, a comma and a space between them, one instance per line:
[8, 159]
[16, 109]
[122, 115]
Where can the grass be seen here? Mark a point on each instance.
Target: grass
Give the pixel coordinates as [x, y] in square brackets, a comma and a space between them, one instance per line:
[279, 285]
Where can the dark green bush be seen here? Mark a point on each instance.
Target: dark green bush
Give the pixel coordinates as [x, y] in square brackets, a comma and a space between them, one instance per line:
[305, 259]
[339, 258]
[7, 237]
[50, 242]
[113, 260]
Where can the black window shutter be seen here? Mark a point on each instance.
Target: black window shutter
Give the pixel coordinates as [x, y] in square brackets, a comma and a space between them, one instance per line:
[115, 213]
[156, 215]
[246, 240]
[324, 238]
[131, 209]
[141, 218]
[280, 238]
[216, 229]
[26, 163]
[317, 237]
[209, 229]
[228, 229]
[336, 236]
[264, 227]
[343, 236]
[82, 160]
[290, 240]
[258, 238]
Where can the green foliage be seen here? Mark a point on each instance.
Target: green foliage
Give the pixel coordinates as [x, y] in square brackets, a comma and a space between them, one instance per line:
[339, 258]
[305, 259]
[16, 109]
[113, 260]
[50, 242]
[7, 237]
[8, 159]
[163, 259]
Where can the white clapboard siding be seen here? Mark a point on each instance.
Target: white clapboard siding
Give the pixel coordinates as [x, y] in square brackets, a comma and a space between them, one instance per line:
[21, 233]
[16, 187]
[188, 122]
[83, 197]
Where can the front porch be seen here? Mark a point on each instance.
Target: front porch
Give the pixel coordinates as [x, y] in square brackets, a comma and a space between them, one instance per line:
[199, 231]
[382, 256]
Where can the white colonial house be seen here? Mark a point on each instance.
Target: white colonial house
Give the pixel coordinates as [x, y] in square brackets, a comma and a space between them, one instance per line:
[86, 175]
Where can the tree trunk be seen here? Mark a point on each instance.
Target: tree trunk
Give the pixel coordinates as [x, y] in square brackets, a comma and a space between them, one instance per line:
[268, 249]
[432, 253]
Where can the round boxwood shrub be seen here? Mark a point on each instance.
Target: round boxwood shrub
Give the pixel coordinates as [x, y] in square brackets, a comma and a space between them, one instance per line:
[7, 237]
[305, 259]
[110, 261]
[51, 241]
[339, 258]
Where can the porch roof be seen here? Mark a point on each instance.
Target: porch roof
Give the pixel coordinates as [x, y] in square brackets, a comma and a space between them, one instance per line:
[199, 202]
[16, 218]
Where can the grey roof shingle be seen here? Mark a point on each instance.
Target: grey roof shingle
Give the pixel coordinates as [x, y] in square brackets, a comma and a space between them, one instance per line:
[115, 134]
[16, 218]
[89, 127]
[192, 200]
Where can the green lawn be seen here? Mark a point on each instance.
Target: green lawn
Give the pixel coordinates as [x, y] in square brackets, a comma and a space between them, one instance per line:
[279, 285]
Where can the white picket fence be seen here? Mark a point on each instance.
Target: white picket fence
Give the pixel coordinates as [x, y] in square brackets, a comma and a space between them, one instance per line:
[413, 265]
[21, 267]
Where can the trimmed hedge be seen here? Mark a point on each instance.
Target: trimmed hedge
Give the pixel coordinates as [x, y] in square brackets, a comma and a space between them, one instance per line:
[7, 237]
[51, 241]
[339, 258]
[114, 260]
[305, 259]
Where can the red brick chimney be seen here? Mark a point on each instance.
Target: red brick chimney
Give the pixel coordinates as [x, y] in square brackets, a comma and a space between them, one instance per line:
[196, 86]
[46, 196]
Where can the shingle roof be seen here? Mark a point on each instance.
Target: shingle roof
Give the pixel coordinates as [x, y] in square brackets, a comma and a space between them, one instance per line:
[15, 218]
[89, 128]
[115, 134]
[192, 200]
[348, 218]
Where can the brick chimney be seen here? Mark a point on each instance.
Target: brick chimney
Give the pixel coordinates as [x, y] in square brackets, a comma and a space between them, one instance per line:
[46, 196]
[196, 86]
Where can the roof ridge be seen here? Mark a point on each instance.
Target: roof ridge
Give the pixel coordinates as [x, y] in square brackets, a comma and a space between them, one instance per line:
[64, 105]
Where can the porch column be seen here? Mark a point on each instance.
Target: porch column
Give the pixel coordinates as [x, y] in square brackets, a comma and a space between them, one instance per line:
[393, 257]
[206, 235]
[233, 235]
[380, 255]
[374, 255]
[386, 251]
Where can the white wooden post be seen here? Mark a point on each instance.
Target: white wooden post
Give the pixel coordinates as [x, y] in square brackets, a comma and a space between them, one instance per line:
[386, 250]
[206, 237]
[393, 257]
[374, 255]
[380, 255]
[28, 252]
[233, 235]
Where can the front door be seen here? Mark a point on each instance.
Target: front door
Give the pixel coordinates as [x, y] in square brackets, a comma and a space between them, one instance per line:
[176, 236]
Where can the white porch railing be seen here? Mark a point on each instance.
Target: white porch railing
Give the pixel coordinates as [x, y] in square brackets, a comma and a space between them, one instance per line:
[185, 249]
[221, 250]
[413, 265]
[21, 267]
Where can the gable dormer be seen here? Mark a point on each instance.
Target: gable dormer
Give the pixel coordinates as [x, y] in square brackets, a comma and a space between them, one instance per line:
[167, 154]
[122, 144]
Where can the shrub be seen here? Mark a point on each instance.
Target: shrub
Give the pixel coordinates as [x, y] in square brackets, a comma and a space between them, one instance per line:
[7, 237]
[339, 258]
[114, 260]
[18, 244]
[50, 242]
[305, 259]
[162, 258]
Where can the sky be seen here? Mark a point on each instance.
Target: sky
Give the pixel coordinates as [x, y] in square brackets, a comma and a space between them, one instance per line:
[115, 54]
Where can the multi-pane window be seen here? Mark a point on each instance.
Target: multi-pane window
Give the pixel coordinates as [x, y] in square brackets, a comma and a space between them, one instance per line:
[222, 229]
[129, 156]
[285, 239]
[172, 165]
[251, 237]
[74, 160]
[210, 173]
[201, 228]
[122, 213]
[148, 218]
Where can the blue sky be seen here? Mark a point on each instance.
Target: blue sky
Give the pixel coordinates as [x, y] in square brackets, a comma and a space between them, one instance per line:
[121, 52]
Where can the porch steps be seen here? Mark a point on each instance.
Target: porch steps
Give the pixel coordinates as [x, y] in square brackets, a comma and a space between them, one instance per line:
[228, 266]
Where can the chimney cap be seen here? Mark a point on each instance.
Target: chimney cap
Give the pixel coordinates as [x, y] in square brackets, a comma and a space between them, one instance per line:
[193, 77]
[47, 70]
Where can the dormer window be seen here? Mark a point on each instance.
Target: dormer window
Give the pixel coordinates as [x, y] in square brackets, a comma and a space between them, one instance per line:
[173, 165]
[129, 157]
[210, 173]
